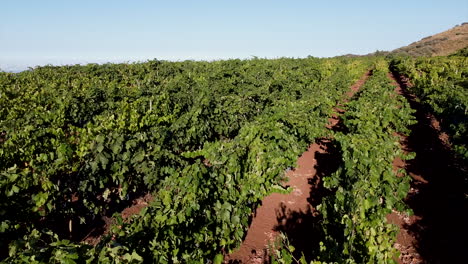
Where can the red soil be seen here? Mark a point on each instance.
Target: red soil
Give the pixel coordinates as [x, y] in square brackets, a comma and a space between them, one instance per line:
[138, 205]
[404, 241]
[276, 209]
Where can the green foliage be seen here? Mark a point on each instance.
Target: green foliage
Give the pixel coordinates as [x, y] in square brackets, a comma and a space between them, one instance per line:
[366, 188]
[208, 140]
[441, 85]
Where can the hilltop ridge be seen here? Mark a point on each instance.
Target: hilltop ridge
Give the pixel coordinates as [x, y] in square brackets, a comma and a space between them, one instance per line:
[441, 44]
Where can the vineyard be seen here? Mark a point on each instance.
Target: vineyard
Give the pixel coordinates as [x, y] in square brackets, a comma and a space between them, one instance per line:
[194, 147]
[441, 84]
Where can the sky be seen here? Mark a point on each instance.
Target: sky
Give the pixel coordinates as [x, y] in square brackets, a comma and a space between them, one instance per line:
[62, 32]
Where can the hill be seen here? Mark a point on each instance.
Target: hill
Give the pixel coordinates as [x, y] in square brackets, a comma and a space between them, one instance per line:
[441, 44]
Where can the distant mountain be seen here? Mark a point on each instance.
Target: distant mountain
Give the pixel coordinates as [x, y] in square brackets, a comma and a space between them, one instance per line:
[442, 44]
[13, 69]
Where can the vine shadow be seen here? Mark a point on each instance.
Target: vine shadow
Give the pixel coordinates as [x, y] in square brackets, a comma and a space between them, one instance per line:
[440, 198]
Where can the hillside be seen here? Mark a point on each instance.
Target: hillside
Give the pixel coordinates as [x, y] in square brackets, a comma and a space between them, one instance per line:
[441, 44]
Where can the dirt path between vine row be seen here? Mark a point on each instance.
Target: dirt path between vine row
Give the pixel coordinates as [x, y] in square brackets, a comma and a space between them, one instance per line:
[437, 232]
[294, 213]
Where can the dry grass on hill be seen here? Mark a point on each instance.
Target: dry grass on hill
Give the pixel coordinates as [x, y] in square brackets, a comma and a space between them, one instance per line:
[441, 44]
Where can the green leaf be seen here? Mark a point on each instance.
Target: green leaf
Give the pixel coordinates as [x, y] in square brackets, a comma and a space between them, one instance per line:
[104, 161]
[132, 258]
[100, 148]
[138, 157]
[116, 148]
[225, 215]
[14, 189]
[218, 259]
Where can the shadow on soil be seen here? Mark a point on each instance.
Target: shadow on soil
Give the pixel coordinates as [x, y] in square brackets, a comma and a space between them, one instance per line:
[441, 203]
[303, 228]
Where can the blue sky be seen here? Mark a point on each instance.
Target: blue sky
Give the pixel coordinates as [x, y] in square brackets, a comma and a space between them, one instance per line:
[67, 32]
